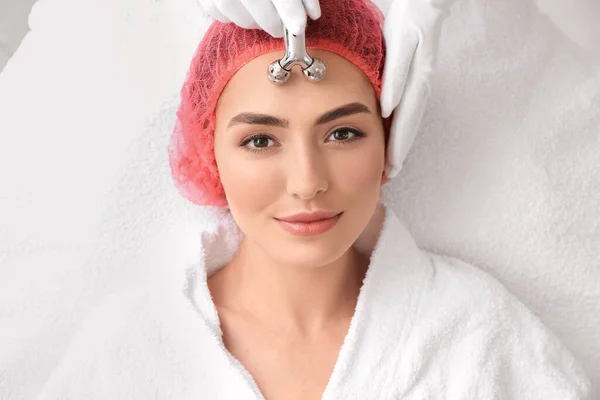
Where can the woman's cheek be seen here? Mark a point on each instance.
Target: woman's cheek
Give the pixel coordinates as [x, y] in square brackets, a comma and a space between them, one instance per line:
[360, 170]
[250, 184]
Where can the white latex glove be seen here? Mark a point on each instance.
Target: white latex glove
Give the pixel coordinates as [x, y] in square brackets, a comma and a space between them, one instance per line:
[269, 15]
[411, 30]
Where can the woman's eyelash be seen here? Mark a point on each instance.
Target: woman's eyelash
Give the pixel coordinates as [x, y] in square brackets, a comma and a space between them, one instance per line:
[355, 132]
[356, 135]
[253, 138]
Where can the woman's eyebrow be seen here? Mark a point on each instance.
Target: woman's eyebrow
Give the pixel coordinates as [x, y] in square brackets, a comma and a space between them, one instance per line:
[343, 111]
[257, 119]
[270, 120]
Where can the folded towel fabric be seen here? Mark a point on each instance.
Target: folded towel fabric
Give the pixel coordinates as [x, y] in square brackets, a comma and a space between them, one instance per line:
[505, 172]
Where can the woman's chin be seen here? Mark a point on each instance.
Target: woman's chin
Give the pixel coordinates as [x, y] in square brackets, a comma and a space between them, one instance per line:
[320, 250]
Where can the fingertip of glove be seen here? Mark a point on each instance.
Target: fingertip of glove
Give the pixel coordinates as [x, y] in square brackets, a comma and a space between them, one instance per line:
[296, 29]
[386, 108]
[275, 31]
[313, 9]
[385, 113]
[296, 24]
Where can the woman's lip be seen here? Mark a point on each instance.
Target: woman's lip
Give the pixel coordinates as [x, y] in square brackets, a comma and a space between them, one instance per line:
[309, 217]
[310, 228]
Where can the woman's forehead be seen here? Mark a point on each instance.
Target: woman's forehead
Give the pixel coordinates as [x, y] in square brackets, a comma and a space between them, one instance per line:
[251, 91]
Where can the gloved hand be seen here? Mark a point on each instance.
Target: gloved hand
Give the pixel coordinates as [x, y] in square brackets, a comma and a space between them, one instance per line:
[411, 30]
[269, 15]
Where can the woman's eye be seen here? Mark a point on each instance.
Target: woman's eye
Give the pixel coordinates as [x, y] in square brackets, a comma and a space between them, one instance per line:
[260, 142]
[345, 135]
[257, 142]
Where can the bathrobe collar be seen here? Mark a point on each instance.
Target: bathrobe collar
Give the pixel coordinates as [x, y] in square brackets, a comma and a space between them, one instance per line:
[387, 303]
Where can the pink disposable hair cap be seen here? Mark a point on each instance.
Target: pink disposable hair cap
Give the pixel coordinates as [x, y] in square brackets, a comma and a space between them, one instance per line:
[349, 28]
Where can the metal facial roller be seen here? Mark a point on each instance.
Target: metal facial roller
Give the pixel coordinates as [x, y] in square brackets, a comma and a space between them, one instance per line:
[295, 54]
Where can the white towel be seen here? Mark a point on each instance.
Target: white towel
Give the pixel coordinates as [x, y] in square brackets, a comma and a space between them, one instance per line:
[505, 172]
[60, 254]
[425, 327]
[74, 102]
[578, 20]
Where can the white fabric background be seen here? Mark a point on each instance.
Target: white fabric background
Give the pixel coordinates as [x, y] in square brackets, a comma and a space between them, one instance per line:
[504, 174]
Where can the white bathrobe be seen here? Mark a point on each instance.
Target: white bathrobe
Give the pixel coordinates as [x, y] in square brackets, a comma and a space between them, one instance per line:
[425, 327]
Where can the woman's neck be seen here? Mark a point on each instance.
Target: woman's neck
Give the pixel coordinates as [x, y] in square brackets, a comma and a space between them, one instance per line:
[304, 299]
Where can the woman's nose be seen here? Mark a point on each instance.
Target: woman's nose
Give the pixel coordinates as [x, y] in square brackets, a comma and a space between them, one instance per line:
[307, 173]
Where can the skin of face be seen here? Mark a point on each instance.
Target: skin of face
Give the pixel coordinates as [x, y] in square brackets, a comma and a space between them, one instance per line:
[275, 160]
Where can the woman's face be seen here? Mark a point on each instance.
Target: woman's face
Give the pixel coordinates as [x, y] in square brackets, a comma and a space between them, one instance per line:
[299, 148]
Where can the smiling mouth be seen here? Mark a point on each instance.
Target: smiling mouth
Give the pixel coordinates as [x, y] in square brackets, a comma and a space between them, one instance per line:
[309, 227]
